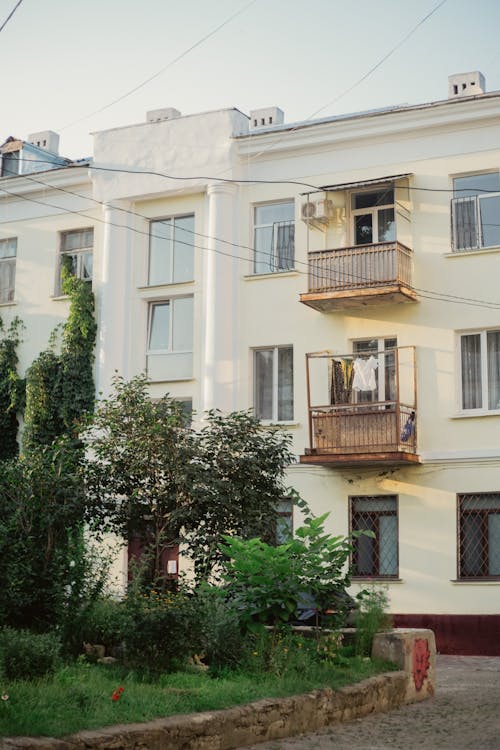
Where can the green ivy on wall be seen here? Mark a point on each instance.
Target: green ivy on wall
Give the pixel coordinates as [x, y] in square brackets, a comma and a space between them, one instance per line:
[11, 388]
[60, 387]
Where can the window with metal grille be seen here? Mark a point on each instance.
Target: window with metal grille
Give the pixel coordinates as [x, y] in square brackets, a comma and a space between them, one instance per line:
[479, 535]
[375, 555]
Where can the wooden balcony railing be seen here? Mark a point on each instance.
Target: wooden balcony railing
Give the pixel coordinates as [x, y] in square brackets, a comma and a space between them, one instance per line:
[360, 267]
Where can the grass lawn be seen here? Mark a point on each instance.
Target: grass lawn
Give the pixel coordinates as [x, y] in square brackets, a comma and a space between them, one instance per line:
[79, 696]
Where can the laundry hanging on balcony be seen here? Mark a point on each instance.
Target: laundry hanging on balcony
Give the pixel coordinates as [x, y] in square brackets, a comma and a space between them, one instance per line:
[409, 428]
[341, 374]
[364, 374]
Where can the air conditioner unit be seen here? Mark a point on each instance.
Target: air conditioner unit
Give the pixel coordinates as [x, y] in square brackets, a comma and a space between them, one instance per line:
[318, 213]
[308, 210]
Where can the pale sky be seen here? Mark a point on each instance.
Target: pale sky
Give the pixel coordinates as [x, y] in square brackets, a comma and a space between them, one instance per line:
[61, 60]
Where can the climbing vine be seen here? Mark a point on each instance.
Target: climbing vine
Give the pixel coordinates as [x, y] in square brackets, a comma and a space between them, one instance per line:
[60, 387]
[11, 388]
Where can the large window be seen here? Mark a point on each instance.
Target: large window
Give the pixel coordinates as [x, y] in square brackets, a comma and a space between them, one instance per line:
[273, 379]
[171, 250]
[375, 555]
[373, 217]
[274, 237]
[480, 370]
[479, 535]
[8, 252]
[170, 339]
[76, 254]
[475, 211]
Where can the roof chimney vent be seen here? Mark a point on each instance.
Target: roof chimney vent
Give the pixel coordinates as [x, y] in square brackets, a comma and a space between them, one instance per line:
[264, 118]
[466, 84]
[46, 139]
[158, 115]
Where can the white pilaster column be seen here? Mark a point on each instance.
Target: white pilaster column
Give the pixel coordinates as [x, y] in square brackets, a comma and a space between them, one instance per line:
[114, 294]
[219, 365]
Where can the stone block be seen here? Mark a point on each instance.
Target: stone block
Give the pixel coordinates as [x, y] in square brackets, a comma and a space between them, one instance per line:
[413, 650]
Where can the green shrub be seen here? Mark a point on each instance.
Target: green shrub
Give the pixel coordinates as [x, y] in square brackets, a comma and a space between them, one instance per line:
[371, 617]
[163, 630]
[103, 621]
[222, 643]
[26, 655]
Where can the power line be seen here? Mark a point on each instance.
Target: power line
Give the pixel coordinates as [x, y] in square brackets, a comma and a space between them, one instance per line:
[437, 296]
[354, 85]
[16, 6]
[162, 70]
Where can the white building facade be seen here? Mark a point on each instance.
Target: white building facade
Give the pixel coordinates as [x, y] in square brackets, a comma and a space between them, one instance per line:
[339, 276]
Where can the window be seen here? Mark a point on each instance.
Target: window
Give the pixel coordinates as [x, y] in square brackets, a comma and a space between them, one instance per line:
[475, 210]
[77, 254]
[384, 373]
[8, 252]
[284, 522]
[171, 250]
[373, 217]
[479, 535]
[480, 370]
[375, 555]
[10, 164]
[273, 378]
[274, 237]
[170, 339]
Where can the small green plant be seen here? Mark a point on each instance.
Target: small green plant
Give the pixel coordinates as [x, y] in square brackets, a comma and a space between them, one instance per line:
[372, 616]
[26, 655]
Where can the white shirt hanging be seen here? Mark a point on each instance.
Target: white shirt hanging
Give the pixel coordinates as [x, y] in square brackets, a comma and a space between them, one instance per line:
[364, 374]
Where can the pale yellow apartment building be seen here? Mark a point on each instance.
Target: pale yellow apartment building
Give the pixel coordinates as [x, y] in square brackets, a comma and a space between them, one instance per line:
[341, 277]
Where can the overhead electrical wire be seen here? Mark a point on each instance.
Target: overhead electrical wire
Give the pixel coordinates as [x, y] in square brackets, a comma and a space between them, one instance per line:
[437, 296]
[162, 70]
[16, 6]
[350, 88]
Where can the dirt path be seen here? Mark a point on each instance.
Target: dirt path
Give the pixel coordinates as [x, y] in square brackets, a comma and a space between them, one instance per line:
[464, 715]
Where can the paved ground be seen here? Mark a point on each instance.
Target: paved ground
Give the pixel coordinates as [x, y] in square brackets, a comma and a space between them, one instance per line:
[464, 715]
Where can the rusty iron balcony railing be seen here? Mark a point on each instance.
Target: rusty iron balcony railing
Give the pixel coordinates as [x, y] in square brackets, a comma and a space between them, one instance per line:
[351, 430]
[363, 274]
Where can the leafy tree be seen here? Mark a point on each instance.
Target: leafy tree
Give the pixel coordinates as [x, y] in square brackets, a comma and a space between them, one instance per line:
[239, 481]
[40, 532]
[139, 468]
[11, 389]
[149, 474]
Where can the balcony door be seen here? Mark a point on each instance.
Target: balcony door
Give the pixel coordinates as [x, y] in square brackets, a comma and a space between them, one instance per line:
[373, 217]
[385, 372]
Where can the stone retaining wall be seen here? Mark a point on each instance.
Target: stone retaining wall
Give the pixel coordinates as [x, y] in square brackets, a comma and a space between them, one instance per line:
[269, 719]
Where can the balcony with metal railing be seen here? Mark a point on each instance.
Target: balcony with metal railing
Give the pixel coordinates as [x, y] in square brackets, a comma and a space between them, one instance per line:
[353, 427]
[362, 275]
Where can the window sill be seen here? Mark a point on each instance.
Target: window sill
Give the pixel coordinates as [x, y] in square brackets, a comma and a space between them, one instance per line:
[479, 251]
[184, 379]
[166, 285]
[270, 423]
[476, 413]
[476, 581]
[373, 579]
[272, 275]
[12, 303]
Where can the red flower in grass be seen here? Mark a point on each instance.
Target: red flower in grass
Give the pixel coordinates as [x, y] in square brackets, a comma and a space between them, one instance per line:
[117, 694]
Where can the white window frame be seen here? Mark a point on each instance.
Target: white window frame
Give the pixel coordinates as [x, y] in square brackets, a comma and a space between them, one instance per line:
[172, 220]
[9, 261]
[79, 252]
[275, 384]
[272, 262]
[483, 409]
[373, 210]
[475, 200]
[170, 302]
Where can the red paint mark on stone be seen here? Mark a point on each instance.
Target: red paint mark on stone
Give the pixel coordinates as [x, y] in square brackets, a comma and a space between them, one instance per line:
[421, 662]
